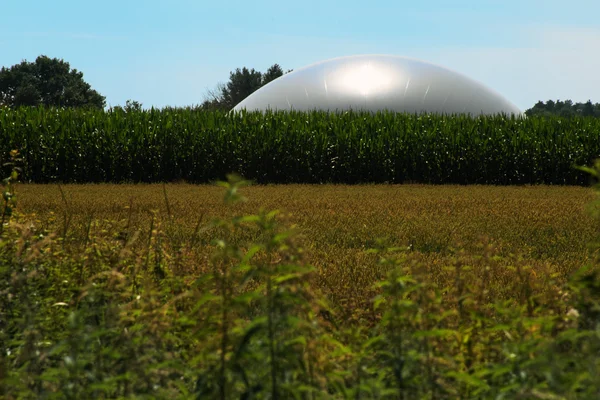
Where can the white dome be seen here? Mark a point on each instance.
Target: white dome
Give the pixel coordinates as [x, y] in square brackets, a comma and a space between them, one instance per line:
[377, 83]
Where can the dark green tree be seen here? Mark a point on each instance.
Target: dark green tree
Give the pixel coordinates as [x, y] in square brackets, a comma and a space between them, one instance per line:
[242, 83]
[48, 82]
[272, 73]
[564, 109]
[587, 109]
[130, 106]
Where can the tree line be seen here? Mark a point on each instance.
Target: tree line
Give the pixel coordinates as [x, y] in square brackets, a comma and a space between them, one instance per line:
[565, 109]
[48, 82]
[52, 82]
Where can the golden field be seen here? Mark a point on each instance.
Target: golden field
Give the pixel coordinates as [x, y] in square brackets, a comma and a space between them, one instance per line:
[546, 228]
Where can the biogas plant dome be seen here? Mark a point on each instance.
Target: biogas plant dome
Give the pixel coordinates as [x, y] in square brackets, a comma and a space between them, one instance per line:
[378, 83]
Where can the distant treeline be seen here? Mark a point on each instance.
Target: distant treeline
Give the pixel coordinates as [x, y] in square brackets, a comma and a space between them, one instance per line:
[565, 109]
[77, 145]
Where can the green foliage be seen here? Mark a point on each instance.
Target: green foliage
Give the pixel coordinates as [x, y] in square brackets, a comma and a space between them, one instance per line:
[46, 82]
[564, 109]
[242, 83]
[103, 318]
[66, 145]
[8, 192]
[130, 106]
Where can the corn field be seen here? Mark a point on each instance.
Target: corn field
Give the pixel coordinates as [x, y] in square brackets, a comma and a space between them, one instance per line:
[87, 146]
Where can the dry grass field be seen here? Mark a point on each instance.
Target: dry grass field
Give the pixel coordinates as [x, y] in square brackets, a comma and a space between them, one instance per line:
[543, 227]
[368, 291]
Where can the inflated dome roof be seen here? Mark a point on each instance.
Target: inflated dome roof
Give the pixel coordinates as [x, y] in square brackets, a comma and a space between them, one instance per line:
[377, 83]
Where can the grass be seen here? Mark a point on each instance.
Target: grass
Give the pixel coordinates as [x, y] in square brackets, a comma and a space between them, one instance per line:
[353, 292]
[350, 292]
[546, 227]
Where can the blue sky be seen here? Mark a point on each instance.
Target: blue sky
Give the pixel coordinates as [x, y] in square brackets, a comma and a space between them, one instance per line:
[170, 53]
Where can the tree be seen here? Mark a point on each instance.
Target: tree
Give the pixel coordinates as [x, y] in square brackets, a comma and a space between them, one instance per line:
[130, 106]
[48, 82]
[272, 73]
[587, 109]
[242, 83]
[564, 109]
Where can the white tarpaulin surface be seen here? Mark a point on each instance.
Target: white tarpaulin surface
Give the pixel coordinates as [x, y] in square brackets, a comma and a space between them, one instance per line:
[378, 82]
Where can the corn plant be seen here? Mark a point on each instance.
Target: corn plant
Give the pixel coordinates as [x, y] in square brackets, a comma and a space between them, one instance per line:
[66, 145]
